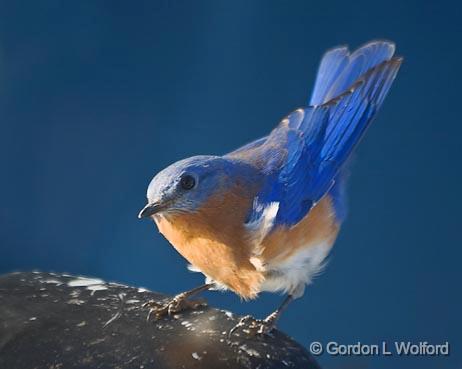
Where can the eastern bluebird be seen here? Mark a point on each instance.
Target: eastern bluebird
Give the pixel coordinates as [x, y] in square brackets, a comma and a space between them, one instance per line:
[265, 216]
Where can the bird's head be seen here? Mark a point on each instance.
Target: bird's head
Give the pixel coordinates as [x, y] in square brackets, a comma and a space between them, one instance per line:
[187, 184]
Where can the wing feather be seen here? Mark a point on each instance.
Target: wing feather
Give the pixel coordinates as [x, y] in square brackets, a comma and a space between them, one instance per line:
[317, 141]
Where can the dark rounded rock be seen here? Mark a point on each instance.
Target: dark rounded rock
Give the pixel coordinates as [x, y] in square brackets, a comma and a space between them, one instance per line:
[59, 321]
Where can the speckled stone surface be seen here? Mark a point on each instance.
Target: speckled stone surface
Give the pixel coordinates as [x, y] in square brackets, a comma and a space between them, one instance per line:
[59, 321]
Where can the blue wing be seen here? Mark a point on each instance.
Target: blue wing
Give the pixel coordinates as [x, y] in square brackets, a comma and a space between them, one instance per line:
[304, 154]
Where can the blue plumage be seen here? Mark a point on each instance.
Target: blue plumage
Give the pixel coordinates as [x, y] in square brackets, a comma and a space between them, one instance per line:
[303, 156]
[332, 64]
[339, 69]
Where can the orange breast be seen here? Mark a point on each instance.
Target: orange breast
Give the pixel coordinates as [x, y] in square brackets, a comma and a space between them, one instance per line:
[213, 240]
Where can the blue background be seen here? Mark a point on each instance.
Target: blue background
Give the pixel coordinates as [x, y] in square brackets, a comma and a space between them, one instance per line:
[97, 96]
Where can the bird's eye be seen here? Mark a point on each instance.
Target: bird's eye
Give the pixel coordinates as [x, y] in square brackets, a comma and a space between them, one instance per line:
[187, 182]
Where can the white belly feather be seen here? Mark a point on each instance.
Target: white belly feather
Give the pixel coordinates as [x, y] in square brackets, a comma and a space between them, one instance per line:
[293, 274]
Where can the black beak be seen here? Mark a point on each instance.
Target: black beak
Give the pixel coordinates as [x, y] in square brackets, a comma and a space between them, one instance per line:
[150, 209]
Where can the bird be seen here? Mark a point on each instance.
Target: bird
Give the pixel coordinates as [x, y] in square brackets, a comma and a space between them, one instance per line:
[264, 217]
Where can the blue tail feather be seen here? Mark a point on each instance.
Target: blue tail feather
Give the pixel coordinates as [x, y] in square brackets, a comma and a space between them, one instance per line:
[339, 69]
[332, 64]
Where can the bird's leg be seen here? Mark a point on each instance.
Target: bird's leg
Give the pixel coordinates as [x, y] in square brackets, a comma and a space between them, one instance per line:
[266, 325]
[270, 321]
[178, 303]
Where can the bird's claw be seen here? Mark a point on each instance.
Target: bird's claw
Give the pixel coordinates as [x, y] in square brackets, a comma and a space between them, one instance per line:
[175, 305]
[242, 323]
[254, 327]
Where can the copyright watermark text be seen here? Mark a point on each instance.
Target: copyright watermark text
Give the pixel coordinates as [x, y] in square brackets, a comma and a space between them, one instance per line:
[398, 348]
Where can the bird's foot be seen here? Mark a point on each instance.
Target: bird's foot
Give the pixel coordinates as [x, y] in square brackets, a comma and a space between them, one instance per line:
[255, 327]
[177, 304]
